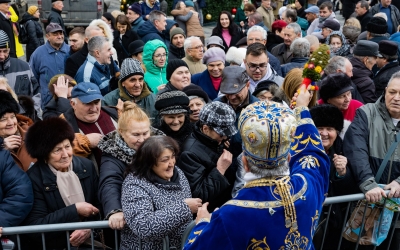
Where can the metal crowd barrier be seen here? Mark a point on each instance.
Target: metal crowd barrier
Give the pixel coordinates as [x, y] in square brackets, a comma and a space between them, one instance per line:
[104, 224]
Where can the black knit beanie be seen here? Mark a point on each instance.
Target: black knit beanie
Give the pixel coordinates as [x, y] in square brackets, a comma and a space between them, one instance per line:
[7, 103]
[377, 25]
[327, 115]
[173, 65]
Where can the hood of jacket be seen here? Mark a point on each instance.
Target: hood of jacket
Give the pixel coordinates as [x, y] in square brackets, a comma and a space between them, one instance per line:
[170, 23]
[149, 48]
[106, 29]
[395, 37]
[113, 144]
[303, 23]
[26, 17]
[147, 28]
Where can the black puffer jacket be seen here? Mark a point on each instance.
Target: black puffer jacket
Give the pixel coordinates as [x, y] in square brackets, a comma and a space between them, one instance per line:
[382, 78]
[362, 78]
[121, 45]
[35, 33]
[198, 161]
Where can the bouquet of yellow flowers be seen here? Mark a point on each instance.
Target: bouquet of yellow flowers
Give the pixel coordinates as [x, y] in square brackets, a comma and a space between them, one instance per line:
[313, 68]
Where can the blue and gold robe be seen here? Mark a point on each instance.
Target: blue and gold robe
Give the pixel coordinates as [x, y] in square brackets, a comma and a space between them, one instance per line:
[256, 219]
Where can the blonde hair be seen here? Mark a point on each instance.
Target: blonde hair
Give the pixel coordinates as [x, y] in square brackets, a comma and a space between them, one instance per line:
[352, 21]
[131, 112]
[4, 82]
[292, 83]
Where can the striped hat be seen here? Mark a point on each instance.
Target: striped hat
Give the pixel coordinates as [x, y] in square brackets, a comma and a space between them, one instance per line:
[4, 41]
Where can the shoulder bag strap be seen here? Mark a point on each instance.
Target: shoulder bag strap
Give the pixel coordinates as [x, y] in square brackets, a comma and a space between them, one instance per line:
[387, 156]
[126, 52]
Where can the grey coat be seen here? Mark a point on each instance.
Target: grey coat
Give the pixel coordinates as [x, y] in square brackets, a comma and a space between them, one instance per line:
[154, 210]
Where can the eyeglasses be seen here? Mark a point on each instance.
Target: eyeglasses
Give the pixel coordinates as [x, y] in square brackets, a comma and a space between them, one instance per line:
[254, 67]
[160, 55]
[200, 47]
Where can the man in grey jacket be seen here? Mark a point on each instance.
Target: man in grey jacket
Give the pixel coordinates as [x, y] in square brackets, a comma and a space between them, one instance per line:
[392, 13]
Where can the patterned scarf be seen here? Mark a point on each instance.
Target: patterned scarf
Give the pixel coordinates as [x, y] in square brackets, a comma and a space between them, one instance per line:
[114, 144]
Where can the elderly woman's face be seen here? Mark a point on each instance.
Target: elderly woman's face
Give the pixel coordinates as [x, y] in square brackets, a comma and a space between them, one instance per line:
[175, 122]
[342, 101]
[328, 136]
[8, 125]
[61, 156]
[195, 105]
[136, 133]
[265, 96]
[180, 78]
[165, 165]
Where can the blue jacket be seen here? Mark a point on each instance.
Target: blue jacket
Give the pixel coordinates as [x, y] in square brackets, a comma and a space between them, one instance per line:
[236, 141]
[146, 9]
[274, 62]
[294, 63]
[92, 71]
[137, 23]
[45, 63]
[204, 81]
[16, 196]
[147, 31]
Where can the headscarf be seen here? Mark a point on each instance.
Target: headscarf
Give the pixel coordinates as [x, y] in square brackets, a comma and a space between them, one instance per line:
[342, 51]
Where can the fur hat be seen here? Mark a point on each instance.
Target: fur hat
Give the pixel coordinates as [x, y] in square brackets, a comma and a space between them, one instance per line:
[377, 25]
[7, 103]
[235, 55]
[173, 65]
[105, 27]
[334, 85]
[172, 102]
[193, 91]
[327, 115]
[43, 136]
[351, 33]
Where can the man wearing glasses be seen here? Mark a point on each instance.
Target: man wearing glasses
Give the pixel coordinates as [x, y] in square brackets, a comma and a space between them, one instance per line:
[194, 52]
[258, 68]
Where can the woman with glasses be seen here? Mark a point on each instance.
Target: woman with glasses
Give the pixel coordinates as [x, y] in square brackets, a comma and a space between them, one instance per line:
[123, 36]
[155, 57]
[205, 159]
[227, 30]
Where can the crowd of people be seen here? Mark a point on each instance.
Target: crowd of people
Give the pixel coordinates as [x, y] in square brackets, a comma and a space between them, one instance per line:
[143, 121]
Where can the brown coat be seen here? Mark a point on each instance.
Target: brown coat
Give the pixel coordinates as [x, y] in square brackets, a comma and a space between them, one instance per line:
[268, 16]
[21, 156]
[193, 27]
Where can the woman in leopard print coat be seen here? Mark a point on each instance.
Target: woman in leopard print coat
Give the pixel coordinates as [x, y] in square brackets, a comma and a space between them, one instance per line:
[156, 199]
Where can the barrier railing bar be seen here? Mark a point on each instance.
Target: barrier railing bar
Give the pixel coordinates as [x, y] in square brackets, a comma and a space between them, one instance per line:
[43, 242]
[92, 238]
[394, 228]
[69, 247]
[344, 224]
[380, 223]
[18, 242]
[362, 227]
[326, 225]
[116, 239]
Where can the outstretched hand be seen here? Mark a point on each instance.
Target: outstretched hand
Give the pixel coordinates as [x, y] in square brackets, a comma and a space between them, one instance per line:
[302, 97]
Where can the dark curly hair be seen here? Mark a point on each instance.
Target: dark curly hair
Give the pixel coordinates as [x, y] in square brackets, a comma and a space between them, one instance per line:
[233, 28]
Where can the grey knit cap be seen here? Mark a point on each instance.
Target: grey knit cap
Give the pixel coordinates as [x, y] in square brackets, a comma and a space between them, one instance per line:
[172, 102]
[4, 41]
[129, 68]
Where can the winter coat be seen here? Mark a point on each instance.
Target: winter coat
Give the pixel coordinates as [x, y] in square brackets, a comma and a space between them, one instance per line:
[49, 207]
[16, 196]
[21, 79]
[146, 8]
[175, 52]
[303, 25]
[75, 61]
[7, 27]
[268, 16]
[145, 100]
[137, 23]
[366, 143]
[193, 27]
[313, 28]
[282, 52]
[235, 37]
[362, 78]
[297, 62]
[239, 16]
[35, 33]
[198, 161]
[301, 13]
[179, 136]
[154, 210]
[182, 19]
[394, 15]
[194, 67]
[55, 17]
[204, 81]
[383, 76]
[154, 75]
[273, 40]
[56, 107]
[147, 31]
[121, 45]
[364, 20]
[348, 8]
[19, 50]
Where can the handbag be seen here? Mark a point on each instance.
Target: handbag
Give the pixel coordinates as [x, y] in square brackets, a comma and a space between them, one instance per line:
[378, 216]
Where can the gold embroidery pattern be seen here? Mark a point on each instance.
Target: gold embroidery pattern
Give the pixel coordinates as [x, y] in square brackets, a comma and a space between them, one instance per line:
[299, 143]
[258, 244]
[295, 241]
[309, 162]
[314, 223]
[267, 204]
